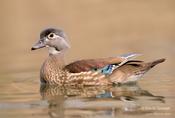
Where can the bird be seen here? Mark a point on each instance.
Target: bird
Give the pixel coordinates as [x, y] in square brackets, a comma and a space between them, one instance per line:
[120, 69]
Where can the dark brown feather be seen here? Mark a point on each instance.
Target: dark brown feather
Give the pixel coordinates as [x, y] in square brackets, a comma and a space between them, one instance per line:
[89, 64]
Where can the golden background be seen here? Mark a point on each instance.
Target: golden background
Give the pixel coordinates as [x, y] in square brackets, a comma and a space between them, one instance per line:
[96, 28]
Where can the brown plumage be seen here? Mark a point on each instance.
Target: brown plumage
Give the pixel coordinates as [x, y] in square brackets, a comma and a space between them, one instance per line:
[89, 64]
[54, 71]
[132, 71]
[103, 71]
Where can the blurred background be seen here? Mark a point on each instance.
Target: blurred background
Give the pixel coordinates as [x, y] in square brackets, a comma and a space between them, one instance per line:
[95, 28]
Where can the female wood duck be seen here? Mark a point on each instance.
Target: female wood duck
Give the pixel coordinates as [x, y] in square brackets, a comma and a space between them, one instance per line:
[102, 71]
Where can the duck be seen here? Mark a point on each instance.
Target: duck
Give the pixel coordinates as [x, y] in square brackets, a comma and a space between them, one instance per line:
[120, 69]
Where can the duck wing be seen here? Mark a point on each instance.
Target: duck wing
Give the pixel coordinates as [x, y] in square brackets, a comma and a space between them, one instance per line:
[95, 64]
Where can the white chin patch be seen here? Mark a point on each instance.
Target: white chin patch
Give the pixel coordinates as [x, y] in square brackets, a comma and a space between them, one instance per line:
[52, 50]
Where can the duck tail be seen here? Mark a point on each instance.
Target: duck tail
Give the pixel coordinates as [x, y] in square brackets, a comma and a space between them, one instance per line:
[152, 64]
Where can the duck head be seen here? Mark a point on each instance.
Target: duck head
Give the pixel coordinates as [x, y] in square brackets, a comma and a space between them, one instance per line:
[54, 39]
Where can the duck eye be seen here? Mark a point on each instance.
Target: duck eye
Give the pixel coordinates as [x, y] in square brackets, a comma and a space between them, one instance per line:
[51, 35]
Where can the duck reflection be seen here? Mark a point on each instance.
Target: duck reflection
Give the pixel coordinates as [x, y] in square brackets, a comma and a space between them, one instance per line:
[99, 101]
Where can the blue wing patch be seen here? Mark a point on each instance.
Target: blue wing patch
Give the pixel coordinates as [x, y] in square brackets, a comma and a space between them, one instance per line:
[106, 70]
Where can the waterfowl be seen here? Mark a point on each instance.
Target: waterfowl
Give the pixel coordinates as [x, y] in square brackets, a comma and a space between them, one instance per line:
[102, 71]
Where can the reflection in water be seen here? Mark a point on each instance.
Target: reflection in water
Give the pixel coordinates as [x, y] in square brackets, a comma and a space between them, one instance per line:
[97, 28]
[98, 101]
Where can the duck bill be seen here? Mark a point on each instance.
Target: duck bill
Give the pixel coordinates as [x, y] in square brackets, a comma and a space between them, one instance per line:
[38, 45]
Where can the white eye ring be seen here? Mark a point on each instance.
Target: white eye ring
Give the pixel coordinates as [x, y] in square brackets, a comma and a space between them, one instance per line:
[51, 36]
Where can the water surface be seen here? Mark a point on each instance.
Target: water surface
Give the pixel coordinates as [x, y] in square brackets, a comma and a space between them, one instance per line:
[96, 28]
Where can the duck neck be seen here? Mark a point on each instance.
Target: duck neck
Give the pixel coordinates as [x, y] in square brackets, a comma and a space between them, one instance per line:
[53, 68]
[57, 59]
[55, 51]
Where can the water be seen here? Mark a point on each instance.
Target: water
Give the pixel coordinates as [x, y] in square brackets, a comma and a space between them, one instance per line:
[95, 29]
[28, 99]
